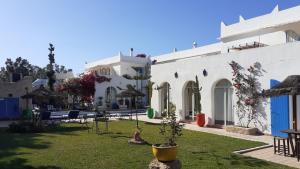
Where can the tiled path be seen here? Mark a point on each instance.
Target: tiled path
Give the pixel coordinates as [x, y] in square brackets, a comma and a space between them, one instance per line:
[5, 123]
[263, 138]
[267, 154]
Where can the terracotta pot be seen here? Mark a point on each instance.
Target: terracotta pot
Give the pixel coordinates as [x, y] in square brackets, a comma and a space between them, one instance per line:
[164, 153]
[200, 119]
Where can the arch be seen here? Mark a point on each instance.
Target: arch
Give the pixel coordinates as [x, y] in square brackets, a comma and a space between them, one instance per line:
[110, 95]
[188, 100]
[164, 98]
[222, 102]
[107, 71]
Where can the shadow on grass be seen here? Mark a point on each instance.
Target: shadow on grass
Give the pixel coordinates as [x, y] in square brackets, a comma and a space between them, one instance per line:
[113, 134]
[66, 129]
[20, 163]
[152, 124]
[119, 135]
[10, 143]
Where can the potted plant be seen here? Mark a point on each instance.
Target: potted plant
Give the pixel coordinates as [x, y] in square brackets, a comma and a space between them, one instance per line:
[200, 117]
[150, 110]
[170, 129]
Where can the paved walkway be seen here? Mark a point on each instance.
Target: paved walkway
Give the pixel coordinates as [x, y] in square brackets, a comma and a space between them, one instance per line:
[263, 138]
[4, 124]
[267, 154]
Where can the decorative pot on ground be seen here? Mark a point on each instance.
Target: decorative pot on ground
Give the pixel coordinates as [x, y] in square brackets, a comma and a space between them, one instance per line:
[200, 119]
[150, 113]
[170, 129]
[164, 153]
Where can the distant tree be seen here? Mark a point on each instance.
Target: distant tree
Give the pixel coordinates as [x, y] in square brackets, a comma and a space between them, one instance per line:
[39, 73]
[3, 75]
[19, 66]
[60, 69]
[51, 72]
[24, 68]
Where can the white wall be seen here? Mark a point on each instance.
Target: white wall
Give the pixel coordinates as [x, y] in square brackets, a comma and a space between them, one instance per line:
[272, 22]
[279, 61]
[117, 79]
[269, 39]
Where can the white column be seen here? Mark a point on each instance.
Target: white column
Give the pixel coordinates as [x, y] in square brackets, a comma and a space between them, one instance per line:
[225, 109]
[193, 106]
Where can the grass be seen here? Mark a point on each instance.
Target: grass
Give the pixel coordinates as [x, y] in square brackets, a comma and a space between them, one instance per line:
[71, 147]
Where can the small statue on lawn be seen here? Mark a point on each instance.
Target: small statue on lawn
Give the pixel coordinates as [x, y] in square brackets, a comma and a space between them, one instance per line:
[137, 139]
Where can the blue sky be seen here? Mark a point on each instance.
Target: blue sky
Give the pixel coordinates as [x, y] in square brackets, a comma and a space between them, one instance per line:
[86, 30]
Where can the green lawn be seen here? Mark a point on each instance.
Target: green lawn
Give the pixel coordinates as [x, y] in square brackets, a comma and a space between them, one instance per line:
[72, 147]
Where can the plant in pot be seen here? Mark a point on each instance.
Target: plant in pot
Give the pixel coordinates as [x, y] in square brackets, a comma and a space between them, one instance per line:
[150, 111]
[170, 130]
[200, 117]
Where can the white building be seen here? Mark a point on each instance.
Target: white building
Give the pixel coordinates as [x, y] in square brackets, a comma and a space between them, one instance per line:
[271, 39]
[60, 78]
[115, 68]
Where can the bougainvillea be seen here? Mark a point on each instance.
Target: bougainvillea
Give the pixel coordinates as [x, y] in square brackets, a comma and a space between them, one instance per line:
[84, 86]
[247, 89]
[87, 86]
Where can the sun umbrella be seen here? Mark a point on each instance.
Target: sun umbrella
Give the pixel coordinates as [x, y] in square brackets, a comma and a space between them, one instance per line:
[42, 96]
[289, 86]
[132, 93]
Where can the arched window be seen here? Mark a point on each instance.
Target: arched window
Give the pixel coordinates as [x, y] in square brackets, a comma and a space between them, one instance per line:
[110, 95]
[164, 93]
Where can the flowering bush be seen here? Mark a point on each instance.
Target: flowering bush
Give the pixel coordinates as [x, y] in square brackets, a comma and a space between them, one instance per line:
[247, 89]
[84, 86]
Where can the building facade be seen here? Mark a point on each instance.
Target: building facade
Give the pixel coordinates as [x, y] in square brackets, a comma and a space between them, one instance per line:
[59, 77]
[271, 39]
[17, 90]
[116, 68]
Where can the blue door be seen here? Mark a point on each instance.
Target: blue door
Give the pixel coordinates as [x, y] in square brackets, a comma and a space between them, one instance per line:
[9, 108]
[12, 108]
[279, 113]
[2, 109]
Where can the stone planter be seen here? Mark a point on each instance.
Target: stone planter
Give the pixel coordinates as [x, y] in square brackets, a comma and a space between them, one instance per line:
[155, 164]
[242, 130]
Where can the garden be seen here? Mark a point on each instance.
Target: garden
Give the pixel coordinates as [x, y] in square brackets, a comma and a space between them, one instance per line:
[72, 146]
